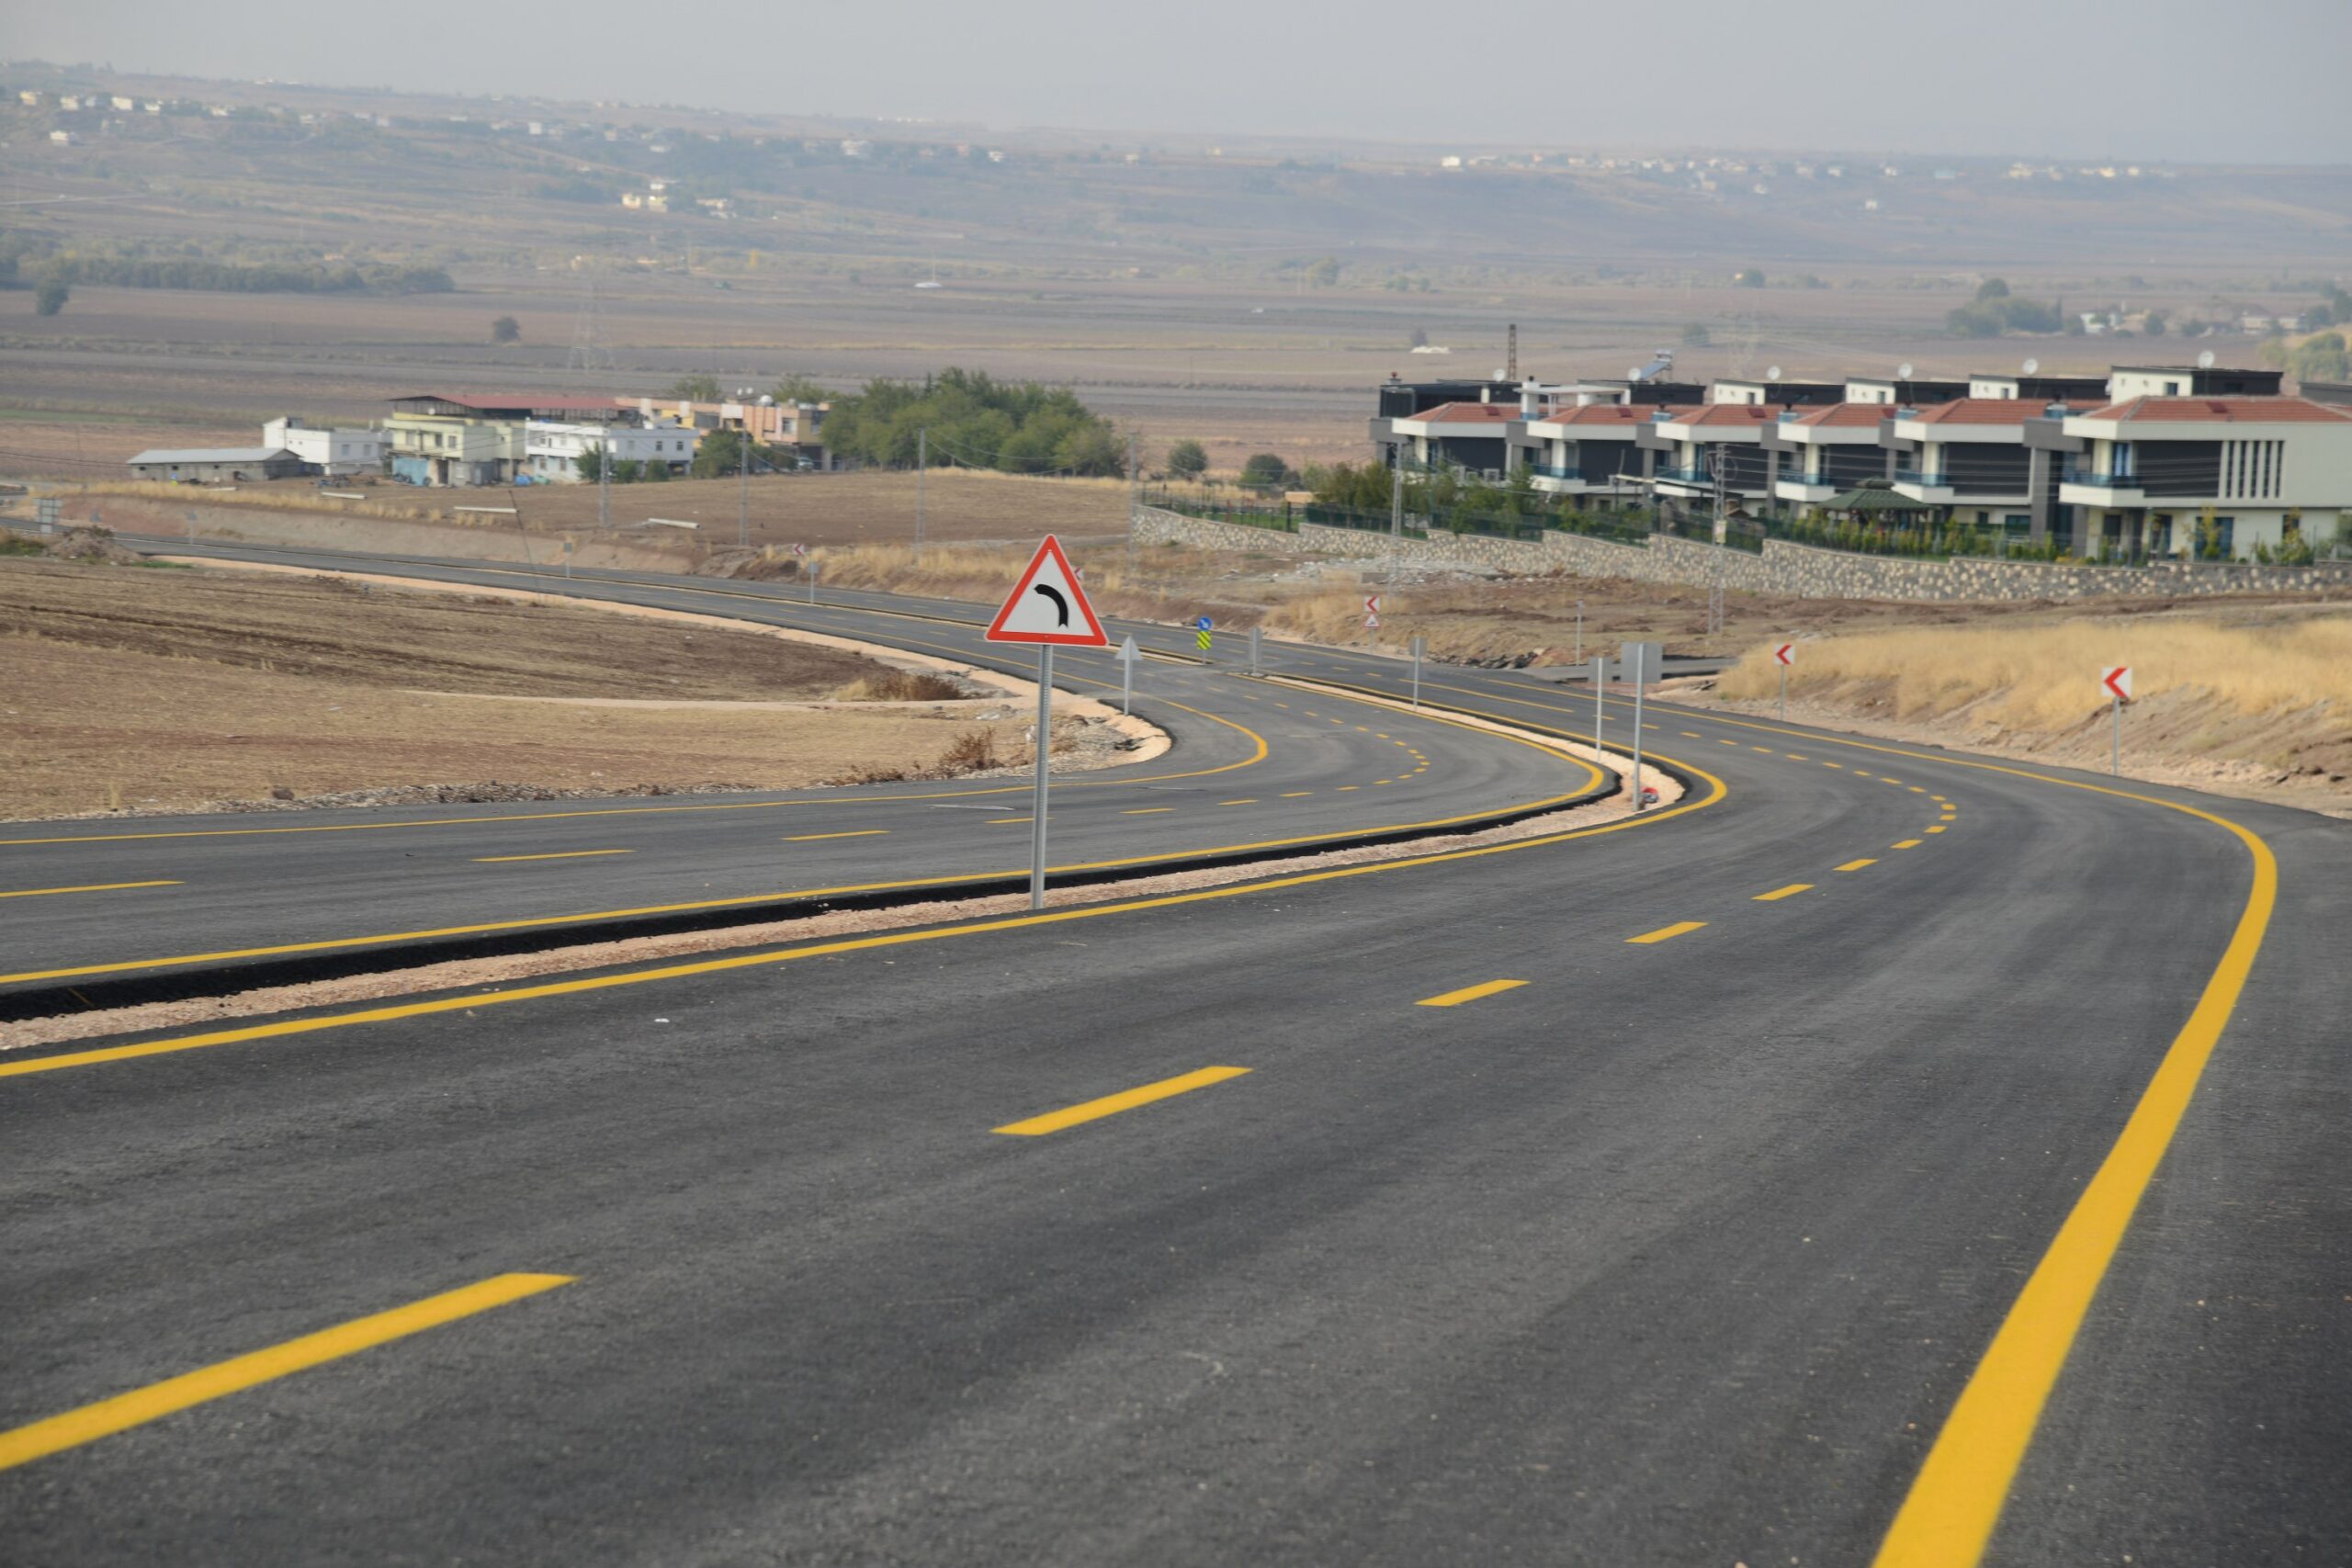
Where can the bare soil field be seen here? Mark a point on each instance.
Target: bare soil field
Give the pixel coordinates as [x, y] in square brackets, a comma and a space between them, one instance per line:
[154, 689]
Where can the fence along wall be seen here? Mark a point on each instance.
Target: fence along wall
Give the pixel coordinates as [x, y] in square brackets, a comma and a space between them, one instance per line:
[1796, 570]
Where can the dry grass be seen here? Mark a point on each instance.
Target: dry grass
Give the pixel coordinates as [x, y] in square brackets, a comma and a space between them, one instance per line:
[2254, 701]
[2046, 676]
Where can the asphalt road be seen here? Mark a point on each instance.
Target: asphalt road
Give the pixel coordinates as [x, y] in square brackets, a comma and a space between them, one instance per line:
[1252, 771]
[1685, 1248]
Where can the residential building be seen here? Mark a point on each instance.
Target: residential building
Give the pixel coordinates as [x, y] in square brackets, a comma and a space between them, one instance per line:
[1824, 451]
[2038, 388]
[552, 448]
[2128, 381]
[442, 450]
[189, 465]
[344, 451]
[798, 425]
[1901, 391]
[1591, 451]
[1785, 394]
[1970, 461]
[2145, 471]
[1472, 436]
[1691, 444]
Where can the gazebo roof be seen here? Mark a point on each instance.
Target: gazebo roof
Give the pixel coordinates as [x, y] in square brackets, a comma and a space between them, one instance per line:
[1871, 497]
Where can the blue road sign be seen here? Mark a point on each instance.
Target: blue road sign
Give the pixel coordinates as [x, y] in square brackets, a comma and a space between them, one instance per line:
[1203, 623]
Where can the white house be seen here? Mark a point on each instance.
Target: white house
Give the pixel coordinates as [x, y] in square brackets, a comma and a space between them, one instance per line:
[552, 448]
[332, 452]
[2265, 470]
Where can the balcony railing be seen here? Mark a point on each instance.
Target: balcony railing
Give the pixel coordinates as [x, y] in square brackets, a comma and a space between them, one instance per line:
[1921, 476]
[2101, 482]
[1696, 475]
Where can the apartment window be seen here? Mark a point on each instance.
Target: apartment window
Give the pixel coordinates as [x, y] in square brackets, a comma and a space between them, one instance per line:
[2123, 466]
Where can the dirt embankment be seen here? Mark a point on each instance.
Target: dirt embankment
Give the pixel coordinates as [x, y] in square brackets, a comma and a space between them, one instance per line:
[160, 689]
[2253, 700]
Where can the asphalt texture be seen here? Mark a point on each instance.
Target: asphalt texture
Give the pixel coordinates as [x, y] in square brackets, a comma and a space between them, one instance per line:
[1678, 1251]
[206, 901]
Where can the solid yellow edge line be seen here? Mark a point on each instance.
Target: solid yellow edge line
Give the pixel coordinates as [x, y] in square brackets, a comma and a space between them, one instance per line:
[1717, 791]
[1665, 933]
[1112, 1104]
[856, 833]
[93, 887]
[1468, 994]
[1947, 1516]
[108, 1416]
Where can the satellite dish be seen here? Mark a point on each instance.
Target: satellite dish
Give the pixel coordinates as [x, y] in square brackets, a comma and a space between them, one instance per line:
[2205, 360]
[2031, 366]
[1773, 374]
[1903, 370]
[1633, 372]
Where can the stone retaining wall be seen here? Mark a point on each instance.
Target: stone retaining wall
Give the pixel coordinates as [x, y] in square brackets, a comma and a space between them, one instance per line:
[1795, 570]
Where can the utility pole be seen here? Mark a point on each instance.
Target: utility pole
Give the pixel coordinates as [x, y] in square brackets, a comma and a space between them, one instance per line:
[1134, 493]
[922, 462]
[1579, 658]
[743, 486]
[1719, 466]
[605, 479]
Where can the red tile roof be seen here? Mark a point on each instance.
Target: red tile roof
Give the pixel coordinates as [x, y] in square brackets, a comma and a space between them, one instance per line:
[1466, 413]
[1846, 415]
[1757, 415]
[2223, 411]
[1627, 416]
[1975, 410]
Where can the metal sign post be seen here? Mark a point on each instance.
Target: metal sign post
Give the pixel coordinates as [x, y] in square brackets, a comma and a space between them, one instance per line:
[1200, 630]
[1784, 655]
[1579, 658]
[1600, 679]
[1419, 644]
[1128, 654]
[1047, 607]
[1642, 661]
[2117, 678]
[1044, 762]
[813, 582]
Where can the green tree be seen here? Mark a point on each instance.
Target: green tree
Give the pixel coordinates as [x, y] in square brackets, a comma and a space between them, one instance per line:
[2320, 358]
[506, 329]
[627, 470]
[1993, 289]
[51, 295]
[799, 389]
[698, 389]
[1264, 468]
[655, 473]
[1750, 278]
[1189, 461]
[1323, 272]
[1695, 335]
[2157, 324]
[591, 463]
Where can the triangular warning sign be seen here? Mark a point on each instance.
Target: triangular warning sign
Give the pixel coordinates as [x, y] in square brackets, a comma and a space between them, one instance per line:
[1047, 605]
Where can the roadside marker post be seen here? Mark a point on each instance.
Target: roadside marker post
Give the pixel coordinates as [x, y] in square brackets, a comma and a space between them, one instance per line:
[1784, 655]
[1201, 630]
[812, 582]
[1048, 608]
[1253, 652]
[1579, 658]
[1128, 654]
[1419, 646]
[1372, 614]
[1642, 662]
[2116, 680]
[1599, 671]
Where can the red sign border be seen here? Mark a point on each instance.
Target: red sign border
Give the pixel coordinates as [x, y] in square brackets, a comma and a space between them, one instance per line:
[1053, 547]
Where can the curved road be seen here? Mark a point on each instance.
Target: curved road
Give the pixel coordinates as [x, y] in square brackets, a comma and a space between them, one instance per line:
[1887, 1153]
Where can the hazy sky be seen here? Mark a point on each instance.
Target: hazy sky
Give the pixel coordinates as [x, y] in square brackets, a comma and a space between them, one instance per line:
[2249, 80]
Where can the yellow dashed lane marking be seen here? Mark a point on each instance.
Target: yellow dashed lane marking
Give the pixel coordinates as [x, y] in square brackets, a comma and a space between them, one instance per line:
[1468, 994]
[1907, 843]
[560, 854]
[858, 833]
[1856, 864]
[1112, 1104]
[93, 887]
[1791, 890]
[1667, 934]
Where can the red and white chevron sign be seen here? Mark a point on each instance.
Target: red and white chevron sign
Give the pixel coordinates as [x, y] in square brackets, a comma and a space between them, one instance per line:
[1786, 653]
[2117, 678]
